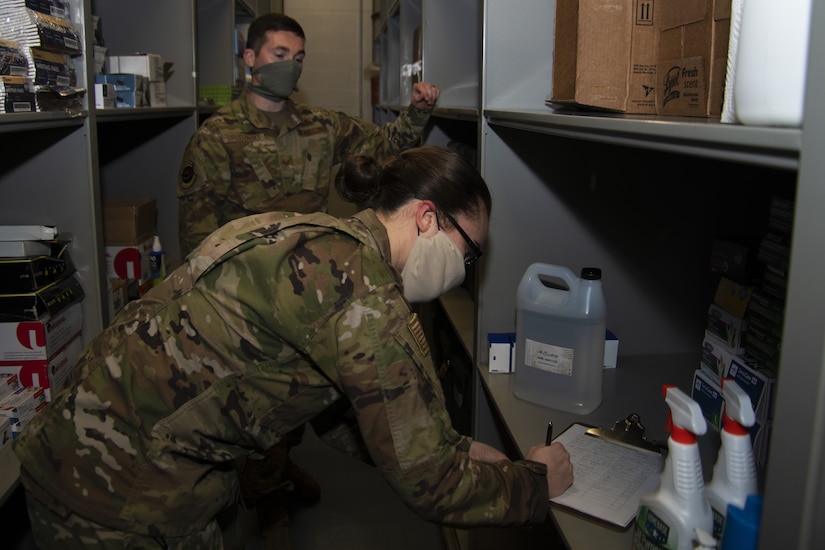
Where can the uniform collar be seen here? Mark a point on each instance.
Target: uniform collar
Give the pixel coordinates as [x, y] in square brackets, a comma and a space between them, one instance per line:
[289, 119]
[373, 226]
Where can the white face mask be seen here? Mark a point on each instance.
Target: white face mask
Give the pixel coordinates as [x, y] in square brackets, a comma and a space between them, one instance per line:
[434, 266]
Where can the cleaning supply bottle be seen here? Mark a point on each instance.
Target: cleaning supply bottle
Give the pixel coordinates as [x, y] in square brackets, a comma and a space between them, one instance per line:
[734, 475]
[668, 517]
[157, 262]
[561, 323]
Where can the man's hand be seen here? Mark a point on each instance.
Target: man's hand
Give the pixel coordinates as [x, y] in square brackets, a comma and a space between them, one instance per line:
[559, 467]
[424, 96]
[482, 452]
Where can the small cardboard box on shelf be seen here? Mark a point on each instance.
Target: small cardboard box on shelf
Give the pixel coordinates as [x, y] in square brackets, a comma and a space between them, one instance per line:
[605, 55]
[692, 57]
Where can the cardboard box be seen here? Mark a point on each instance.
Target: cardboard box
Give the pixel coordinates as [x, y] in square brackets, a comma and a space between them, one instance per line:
[21, 406]
[149, 65]
[692, 56]
[50, 374]
[157, 94]
[128, 222]
[104, 96]
[130, 262]
[758, 383]
[611, 350]
[605, 55]
[728, 327]
[9, 383]
[29, 273]
[39, 304]
[707, 392]
[38, 340]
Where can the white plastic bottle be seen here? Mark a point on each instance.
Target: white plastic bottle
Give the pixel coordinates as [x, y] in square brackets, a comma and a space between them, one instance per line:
[668, 517]
[561, 322]
[734, 475]
[771, 62]
[157, 262]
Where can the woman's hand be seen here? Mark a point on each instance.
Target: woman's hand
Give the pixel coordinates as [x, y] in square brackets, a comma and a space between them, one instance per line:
[559, 467]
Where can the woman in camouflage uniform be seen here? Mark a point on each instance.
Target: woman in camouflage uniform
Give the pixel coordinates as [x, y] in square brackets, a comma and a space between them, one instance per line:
[276, 320]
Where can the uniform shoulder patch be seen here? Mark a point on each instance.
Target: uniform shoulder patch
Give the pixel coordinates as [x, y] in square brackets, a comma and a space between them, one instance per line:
[187, 175]
[415, 328]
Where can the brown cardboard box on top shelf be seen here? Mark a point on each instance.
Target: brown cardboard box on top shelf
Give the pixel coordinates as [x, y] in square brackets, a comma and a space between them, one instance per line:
[605, 55]
[692, 56]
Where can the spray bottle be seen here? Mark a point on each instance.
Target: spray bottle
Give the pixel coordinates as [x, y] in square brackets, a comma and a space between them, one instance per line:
[734, 475]
[157, 262]
[668, 517]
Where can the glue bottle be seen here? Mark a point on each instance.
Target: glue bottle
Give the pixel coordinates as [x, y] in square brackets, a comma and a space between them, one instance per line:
[734, 475]
[669, 516]
[157, 262]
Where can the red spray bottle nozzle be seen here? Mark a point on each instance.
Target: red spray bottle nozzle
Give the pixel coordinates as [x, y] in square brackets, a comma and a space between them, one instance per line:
[738, 415]
[685, 420]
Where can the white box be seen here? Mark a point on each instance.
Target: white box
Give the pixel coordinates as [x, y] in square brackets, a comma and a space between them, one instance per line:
[611, 350]
[21, 406]
[129, 262]
[104, 96]
[149, 65]
[38, 340]
[50, 374]
[9, 383]
[501, 351]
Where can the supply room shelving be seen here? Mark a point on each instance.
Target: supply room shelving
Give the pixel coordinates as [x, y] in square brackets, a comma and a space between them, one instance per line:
[643, 197]
[58, 167]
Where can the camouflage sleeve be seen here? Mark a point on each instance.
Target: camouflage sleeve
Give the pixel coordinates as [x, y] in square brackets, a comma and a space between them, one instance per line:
[202, 184]
[382, 363]
[359, 136]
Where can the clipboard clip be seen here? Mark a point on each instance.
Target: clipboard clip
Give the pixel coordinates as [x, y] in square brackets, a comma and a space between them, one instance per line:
[629, 432]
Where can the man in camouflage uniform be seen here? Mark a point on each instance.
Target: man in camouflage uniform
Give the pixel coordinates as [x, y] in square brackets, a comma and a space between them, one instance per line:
[276, 320]
[264, 153]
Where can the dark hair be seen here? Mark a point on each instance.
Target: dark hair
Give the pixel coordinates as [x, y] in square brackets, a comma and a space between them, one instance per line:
[435, 173]
[271, 22]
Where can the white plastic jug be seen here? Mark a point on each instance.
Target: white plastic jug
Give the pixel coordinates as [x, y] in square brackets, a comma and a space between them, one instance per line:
[771, 62]
[560, 332]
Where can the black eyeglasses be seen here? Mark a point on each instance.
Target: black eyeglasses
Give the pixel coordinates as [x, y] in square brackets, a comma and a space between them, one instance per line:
[474, 248]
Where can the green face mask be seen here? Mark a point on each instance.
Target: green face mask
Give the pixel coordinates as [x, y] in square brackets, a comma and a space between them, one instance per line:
[278, 79]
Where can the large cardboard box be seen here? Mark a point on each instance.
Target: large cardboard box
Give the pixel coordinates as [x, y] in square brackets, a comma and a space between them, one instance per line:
[128, 222]
[605, 55]
[692, 56]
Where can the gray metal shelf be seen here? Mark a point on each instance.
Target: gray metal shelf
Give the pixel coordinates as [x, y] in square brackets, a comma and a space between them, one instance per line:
[775, 147]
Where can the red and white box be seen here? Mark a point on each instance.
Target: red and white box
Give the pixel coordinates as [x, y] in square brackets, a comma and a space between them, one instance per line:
[50, 374]
[38, 340]
[21, 406]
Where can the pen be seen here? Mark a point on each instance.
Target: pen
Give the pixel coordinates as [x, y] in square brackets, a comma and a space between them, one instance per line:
[549, 439]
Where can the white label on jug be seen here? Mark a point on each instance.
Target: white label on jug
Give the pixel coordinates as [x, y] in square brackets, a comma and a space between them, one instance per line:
[548, 358]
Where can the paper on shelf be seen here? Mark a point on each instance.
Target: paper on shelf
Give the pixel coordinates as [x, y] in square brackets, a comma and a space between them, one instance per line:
[609, 478]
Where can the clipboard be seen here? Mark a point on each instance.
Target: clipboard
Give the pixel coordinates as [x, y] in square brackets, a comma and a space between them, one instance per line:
[612, 470]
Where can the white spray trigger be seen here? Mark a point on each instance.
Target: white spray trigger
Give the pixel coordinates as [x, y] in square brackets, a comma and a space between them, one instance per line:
[737, 403]
[685, 412]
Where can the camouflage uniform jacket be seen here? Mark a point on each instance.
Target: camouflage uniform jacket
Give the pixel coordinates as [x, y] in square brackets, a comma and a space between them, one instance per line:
[241, 162]
[275, 320]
